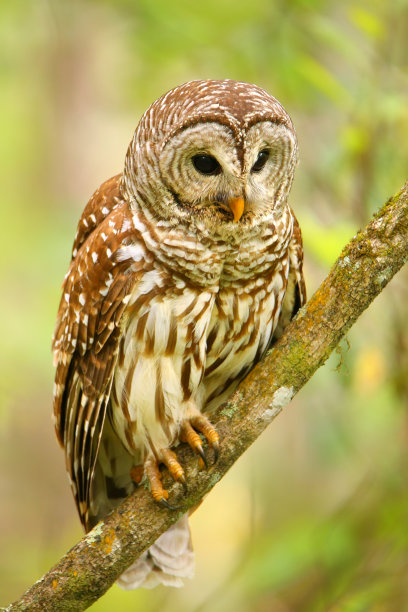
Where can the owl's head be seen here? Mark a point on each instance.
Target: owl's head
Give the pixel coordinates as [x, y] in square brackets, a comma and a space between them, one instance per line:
[218, 153]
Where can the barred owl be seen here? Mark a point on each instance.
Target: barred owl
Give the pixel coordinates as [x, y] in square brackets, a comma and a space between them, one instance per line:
[185, 268]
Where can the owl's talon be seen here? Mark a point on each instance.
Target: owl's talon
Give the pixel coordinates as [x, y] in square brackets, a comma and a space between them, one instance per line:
[203, 425]
[183, 481]
[165, 504]
[203, 456]
[189, 435]
[169, 458]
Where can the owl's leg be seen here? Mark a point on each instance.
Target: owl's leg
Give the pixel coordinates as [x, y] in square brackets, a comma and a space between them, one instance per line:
[188, 433]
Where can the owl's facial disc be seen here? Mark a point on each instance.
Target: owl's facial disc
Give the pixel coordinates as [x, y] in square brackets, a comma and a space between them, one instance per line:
[212, 175]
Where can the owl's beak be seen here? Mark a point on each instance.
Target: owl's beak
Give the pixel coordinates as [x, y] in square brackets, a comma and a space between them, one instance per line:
[237, 207]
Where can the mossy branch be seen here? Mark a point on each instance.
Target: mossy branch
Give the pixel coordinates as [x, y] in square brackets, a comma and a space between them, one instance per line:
[362, 271]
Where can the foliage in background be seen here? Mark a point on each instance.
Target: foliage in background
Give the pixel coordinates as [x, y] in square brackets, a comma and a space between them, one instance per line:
[314, 516]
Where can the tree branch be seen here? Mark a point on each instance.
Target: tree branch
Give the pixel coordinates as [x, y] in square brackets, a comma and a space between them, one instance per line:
[362, 271]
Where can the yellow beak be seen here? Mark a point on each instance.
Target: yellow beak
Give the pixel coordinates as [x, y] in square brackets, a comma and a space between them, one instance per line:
[237, 207]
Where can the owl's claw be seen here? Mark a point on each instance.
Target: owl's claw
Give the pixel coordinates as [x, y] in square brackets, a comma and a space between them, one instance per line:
[189, 434]
[203, 456]
[165, 504]
[169, 458]
[182, 480]
[203, 425]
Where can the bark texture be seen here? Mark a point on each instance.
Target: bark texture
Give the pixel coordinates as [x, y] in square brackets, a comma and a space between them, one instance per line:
[361, 272]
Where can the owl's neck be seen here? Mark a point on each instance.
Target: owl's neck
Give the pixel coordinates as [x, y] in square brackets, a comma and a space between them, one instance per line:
[210, 257]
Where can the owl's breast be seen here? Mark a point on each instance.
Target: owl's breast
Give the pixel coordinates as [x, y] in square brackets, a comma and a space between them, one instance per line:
[243, 320]
[252, 286]
[161, 359]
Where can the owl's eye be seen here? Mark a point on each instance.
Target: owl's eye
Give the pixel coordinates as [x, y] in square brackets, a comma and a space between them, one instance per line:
[206, 164]
[260, 160]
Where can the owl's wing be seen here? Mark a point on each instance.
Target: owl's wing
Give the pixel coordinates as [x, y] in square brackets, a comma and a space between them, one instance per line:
[295, 296]
[96, 290]
[103, 201]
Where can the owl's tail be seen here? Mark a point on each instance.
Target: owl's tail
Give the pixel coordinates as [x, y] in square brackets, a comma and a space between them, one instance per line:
[167, 561]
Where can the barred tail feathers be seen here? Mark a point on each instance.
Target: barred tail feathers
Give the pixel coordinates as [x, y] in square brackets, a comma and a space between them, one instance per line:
[168, 561]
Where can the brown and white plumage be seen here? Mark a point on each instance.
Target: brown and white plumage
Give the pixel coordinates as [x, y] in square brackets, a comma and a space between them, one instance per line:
[179, 282]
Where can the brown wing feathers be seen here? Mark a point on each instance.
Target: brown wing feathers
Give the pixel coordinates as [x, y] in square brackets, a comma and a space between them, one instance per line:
[103, 201]
[296, 259]
[95, 293]
[295, 296]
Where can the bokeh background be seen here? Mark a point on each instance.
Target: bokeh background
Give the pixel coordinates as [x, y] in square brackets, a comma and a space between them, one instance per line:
[314, 516]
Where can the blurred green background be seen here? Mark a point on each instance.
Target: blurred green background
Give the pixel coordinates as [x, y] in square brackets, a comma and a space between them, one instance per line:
[314, 517]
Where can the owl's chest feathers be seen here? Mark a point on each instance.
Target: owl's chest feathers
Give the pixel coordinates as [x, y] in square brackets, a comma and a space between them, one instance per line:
[204, 260]
[188, 344]
[188, 348]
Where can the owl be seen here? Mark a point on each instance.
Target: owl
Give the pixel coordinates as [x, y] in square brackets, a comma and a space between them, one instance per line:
[185, 269]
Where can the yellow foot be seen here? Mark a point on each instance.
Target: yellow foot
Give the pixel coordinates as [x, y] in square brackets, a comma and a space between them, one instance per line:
[151, 469]
[188, 433]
